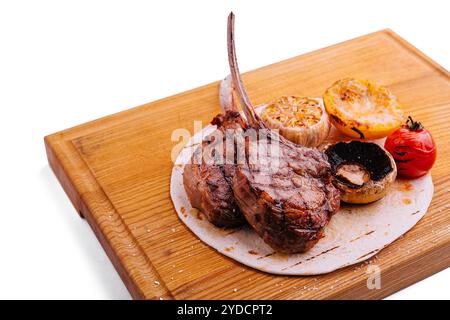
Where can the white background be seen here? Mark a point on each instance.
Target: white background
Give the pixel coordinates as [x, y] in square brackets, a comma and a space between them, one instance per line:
[63, 63]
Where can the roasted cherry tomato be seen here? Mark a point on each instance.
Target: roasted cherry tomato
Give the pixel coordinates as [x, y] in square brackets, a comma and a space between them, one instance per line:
[413, 149]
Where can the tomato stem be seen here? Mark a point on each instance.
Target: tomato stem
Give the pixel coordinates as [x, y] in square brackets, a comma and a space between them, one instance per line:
[413, 125]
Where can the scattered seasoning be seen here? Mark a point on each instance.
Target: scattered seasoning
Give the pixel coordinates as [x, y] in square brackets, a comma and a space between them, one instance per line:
[156, 282]
[235, 290]
[407, 201]
[407, 186]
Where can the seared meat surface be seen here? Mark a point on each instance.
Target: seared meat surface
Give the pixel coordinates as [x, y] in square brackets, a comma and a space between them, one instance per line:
[285, 191]
[290, 206]
[207, 182]
[287, 197]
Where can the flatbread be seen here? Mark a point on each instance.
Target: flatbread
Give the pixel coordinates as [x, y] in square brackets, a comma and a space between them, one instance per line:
[354, 234]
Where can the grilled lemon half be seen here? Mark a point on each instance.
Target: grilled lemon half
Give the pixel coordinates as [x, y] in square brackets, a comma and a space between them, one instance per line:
[362, 109]
[302, 120]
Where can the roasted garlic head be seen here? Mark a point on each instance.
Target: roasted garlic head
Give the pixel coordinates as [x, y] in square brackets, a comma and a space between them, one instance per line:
[302, 120]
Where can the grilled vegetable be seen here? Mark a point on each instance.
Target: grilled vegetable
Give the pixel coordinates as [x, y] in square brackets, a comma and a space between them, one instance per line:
[299, 119]
[362, 171]
[413, 149]
[362, 109]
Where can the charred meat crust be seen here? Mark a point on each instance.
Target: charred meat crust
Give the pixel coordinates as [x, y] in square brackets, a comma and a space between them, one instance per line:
[289, 206]
[209, 191]
[208, 185]
[289, 219]
[227, 119]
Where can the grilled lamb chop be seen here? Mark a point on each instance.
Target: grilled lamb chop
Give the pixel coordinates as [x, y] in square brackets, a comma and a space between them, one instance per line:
[288, 207]
[208, 184]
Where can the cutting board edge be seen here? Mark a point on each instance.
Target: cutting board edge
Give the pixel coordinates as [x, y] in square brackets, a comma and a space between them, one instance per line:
[357, 291]
[72, 189]
[74, 193]
[393, 278]
[410, 47]
[109, 120]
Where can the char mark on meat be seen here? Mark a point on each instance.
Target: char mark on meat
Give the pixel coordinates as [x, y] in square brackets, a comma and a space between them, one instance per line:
[208, 185]
[288, 207]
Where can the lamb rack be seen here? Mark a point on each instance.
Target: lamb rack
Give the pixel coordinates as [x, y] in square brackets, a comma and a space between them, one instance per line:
[287, 196]
[207, 179]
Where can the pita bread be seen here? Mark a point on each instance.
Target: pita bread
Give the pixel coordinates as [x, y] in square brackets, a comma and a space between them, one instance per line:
[354, 234]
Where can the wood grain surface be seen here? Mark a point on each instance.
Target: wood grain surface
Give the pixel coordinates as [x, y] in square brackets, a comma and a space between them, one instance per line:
[116, 172]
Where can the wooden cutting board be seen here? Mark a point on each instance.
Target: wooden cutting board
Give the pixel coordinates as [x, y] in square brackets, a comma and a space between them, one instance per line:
[116, 172]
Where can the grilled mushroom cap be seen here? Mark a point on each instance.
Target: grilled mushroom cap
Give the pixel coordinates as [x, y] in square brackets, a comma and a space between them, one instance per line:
[362, 171]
